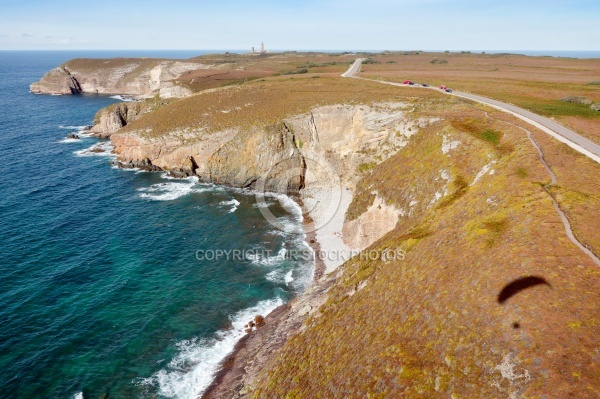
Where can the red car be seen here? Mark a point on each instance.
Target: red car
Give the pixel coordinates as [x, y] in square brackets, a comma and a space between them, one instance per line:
[407, 82]
[442, 87]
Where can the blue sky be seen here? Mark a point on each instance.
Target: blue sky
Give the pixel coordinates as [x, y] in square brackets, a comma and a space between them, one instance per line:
[301, 25]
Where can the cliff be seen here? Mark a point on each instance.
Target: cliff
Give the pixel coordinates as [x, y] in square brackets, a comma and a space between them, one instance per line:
[137, 77]
[148, 77]
[116, 116]
[457, 188]
[110, 119]
[490, 298]
[57, 81]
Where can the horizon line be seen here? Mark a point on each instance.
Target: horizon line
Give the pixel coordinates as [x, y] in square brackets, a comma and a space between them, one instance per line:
[305, 50]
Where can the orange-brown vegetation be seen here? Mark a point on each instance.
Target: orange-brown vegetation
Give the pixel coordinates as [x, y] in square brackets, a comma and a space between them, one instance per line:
[239, 68]
[433, 325]
[534, 83]
[263, 103]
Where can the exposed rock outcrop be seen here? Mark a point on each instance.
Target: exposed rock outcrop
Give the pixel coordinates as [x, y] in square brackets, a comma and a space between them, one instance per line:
[57, 81]
[110, 119]
[144, 164]
[346, 136]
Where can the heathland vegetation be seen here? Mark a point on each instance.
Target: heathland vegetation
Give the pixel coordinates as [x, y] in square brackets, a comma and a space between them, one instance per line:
[534, 83]
[475, 218]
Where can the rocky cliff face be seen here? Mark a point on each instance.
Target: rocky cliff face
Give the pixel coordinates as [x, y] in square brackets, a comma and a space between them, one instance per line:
[110, 119]
[346, 136]
[435, 323]
[141, 78]
[57, 81]
[457, 189]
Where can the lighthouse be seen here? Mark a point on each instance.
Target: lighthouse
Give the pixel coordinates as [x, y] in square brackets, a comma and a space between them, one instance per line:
[262, 47]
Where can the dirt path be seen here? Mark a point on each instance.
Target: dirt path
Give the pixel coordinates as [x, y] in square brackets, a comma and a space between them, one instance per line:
[561, 214]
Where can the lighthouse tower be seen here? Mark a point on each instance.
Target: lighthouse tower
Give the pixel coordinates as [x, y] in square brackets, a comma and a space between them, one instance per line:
[262, 47]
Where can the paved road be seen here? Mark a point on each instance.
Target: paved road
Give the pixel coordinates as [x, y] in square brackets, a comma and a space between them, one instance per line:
[556, 130]
[355, 67]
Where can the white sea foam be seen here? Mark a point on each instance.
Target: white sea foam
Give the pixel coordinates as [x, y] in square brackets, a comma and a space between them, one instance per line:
[261, 260]
[279, 276]
[275, 276]
[189, 374]
[288, 278]
[122, 98]
[288, 204]
[262, 204]
[167, 191]
[233, 203]
[125, 169]
[67, 141]
[78, 395]
[165, 175]
[102, 149]
[82, 131]
[78, 128]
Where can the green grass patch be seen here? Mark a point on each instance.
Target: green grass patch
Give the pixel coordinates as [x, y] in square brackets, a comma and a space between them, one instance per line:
[295, 72]
[365, 167]
[560, 108]
[459, 188]
[490, 136]
[522, 173]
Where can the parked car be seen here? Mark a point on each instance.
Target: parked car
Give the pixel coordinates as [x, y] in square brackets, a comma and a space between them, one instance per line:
[442, 87]
[424, 85]
[407, 82]
[448, 91]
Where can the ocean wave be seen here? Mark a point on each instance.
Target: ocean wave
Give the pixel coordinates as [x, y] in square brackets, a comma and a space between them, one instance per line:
[192, 370]
[288, 278]
[78, 395]
[288, 227]
[78, 128]
[167, 191]
[115, 166]
[102, 149]
[122, 98]
[82, 131]
[257, 259]
[68, 141]
[165, 175]
[275, 276]
[263, 204]
[288, 204]
[234, 204]
[279, 276]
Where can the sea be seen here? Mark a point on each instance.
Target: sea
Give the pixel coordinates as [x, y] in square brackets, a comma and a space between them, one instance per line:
[117, 283]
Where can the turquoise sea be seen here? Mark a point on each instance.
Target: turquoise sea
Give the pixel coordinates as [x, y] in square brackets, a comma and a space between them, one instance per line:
[101, 288]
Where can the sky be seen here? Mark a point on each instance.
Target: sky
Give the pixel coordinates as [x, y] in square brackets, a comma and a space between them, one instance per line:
[300, 25]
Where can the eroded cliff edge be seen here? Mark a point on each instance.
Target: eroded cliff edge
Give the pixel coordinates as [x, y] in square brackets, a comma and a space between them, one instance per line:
[136, 77]
[457, 187]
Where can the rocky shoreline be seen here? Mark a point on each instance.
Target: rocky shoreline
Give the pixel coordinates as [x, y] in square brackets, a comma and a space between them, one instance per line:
[450, 184]
[254, 349]
[309, 141]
